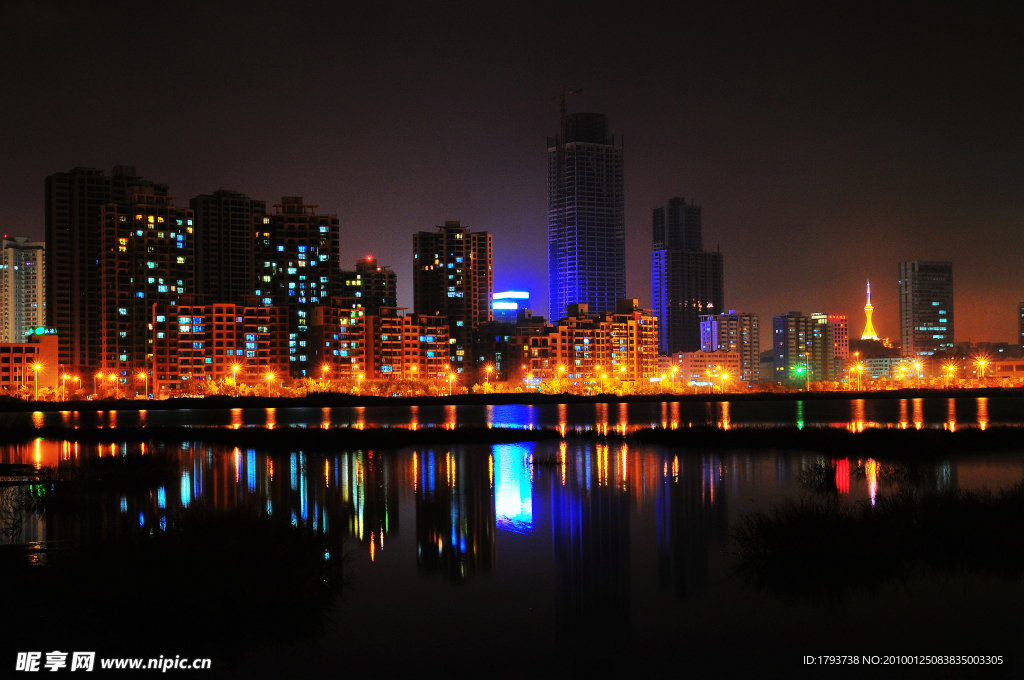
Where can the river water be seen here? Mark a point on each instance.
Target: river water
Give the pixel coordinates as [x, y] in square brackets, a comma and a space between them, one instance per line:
[849, 413]
[567, 557]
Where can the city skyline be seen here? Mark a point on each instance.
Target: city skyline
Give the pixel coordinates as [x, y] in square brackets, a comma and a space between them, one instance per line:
[837, 155]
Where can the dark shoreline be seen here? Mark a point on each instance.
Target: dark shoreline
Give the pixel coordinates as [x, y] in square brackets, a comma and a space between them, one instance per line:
[889, 443]
[329, 399]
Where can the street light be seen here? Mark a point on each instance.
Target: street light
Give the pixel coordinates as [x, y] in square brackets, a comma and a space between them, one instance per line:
[724, 376]
[145, 384]
[36, 368]
[950, 370]
[324, 369]
[270, 382]
[117, 385]
[95, 383]
[63, 388]
[487, 377]
[359, 385]
[451, 378]
[981, 363]
[234, 377]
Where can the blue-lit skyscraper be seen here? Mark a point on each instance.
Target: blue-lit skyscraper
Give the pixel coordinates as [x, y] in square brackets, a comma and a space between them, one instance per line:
[586, 217]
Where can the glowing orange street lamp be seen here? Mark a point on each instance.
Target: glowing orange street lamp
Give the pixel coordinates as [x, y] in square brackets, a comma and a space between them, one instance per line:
[451, 378]
[359, 386]
[95, 383]
[36, 368]
[234, 377]
[117, 385]
[324, 369]
[145, 384]
[487, 377]
[270, 382]
[63, 387]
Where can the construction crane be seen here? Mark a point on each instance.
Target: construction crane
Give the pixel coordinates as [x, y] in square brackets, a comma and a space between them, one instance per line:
[561, 104]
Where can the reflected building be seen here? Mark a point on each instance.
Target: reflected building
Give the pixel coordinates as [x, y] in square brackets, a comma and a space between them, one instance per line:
[369, 484]
[455, 513]
[590, 533]
[692, 513]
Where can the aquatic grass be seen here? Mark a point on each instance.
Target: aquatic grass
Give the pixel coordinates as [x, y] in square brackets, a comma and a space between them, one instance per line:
[821, 547]
[213, 580]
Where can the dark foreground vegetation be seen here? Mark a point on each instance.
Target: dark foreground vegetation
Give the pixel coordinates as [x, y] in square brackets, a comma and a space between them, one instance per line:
[822, 548]
[208, 584]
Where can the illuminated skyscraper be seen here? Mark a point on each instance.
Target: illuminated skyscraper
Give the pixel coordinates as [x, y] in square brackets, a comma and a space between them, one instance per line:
[686, 282]
[586, 217]
[22, 292]
[926, 308]
[869, 330]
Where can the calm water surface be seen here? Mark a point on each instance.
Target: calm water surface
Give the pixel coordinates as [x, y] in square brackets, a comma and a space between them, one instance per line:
[562, 557]
[853, 413]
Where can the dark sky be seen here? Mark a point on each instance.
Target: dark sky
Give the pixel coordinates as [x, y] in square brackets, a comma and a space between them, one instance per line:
[825, 144]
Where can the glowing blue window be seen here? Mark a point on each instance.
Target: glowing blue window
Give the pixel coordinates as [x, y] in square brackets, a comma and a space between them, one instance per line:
[280, 249]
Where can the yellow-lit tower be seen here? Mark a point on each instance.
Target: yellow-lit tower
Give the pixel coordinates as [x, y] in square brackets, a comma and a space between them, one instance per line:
[869, 330]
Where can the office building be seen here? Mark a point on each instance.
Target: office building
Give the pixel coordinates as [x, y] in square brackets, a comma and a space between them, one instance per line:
[586, 217]
[507, 305]
[738, 333]
[74, 240]
[1020, 325]
[22, 288]
[686, 282]
[224, 244]
[147, 256]
[297, 267]
[371, 285]
[453, 277]
[926, 308]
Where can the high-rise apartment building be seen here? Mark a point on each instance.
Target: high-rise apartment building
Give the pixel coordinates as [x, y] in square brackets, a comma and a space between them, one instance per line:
[224, 244]
[74, 240]
[371, 285]
[926, 307]
[732, 332]
[453, 277]
[686, 282]
[297, 267]
[22, 288]
[802, 348]
[147, 256]
[586, 217]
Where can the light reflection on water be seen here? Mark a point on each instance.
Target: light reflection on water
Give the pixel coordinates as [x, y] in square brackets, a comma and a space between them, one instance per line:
[855, 415]
[597, 537]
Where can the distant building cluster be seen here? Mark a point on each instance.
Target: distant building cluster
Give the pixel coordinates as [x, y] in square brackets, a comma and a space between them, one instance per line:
[132, 285]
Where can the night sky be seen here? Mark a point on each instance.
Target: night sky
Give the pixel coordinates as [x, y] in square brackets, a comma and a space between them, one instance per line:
[825, 145]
